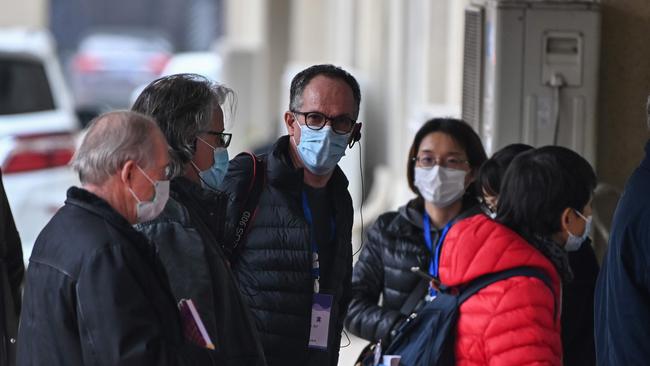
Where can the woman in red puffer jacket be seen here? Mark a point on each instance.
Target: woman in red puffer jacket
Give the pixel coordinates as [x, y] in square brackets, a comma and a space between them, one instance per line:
[544, 208]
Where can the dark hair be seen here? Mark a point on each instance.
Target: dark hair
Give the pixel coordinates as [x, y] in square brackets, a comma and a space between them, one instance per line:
[492, 171]
[182, 105]
[462, 133]
[539, 185]
[302, 79]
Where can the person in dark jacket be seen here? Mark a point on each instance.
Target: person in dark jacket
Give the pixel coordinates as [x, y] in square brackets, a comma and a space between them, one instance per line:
[623, 289]
[189, 233]
[95, 292]
[577, 294]
[442, 165]
[295, 262]
[12, 271]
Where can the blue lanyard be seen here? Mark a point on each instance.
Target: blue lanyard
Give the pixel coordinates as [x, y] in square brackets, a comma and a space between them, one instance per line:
[435, 253]
[315, 261]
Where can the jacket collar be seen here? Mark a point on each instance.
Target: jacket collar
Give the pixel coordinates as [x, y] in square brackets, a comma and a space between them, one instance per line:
[281, 172]
[186, 188]
[413, 214]
[96, 205]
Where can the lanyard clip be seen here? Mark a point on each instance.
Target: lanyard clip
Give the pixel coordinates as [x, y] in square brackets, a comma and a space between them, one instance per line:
[316, 286]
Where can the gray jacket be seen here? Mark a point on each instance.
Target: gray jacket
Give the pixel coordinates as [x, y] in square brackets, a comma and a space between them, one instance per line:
[186, 238]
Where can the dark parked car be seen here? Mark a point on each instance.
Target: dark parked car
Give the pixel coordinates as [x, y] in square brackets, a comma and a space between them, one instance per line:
[110, 63]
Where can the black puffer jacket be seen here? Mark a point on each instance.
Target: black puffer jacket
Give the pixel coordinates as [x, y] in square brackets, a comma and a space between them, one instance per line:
[578, 308]
[394, 244]
[274, 263]
[197, 269]
[12, 271]
[96, 294]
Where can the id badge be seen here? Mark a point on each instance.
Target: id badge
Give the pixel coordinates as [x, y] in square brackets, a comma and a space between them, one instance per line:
[320, 321]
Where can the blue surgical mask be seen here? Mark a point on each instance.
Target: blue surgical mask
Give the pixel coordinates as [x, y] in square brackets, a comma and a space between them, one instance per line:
[213, 176]
[320, 150]
[574, 242]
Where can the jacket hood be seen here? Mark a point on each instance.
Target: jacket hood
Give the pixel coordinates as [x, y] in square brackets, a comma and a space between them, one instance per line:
[479, 245]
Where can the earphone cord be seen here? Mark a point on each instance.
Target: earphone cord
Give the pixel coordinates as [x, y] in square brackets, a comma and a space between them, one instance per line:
[361, 204]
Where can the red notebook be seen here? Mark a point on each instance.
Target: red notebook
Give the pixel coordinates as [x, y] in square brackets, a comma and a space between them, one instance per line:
[193, 327]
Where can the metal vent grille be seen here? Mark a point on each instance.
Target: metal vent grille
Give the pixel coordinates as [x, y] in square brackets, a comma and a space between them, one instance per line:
[473, 66]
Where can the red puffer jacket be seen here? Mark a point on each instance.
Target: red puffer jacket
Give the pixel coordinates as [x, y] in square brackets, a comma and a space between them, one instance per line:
[511, 322]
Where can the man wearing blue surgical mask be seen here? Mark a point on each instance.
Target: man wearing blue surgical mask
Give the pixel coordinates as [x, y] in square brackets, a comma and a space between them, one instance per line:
[189, 109]
[294, 262]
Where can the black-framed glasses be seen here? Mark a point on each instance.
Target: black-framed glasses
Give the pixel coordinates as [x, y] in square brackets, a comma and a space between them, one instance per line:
[223, 138]
[315, 121]
[428, 162]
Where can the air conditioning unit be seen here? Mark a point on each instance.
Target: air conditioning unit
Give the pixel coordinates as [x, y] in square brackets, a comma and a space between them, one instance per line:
[530, 73]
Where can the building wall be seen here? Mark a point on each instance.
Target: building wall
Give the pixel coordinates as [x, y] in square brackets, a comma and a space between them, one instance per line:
[29, 13]
[624, 87]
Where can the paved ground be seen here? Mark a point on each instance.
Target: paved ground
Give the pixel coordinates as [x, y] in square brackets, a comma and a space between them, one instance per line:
[349, 354]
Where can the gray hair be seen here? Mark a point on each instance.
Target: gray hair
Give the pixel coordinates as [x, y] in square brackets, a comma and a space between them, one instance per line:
[113, 139]
[183, 106]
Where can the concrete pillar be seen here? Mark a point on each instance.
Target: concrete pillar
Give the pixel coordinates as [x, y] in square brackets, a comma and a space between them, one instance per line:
[255, 49]
[26, 13]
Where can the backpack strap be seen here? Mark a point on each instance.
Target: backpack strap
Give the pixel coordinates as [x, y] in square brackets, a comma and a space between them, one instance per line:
[252, 199]
[488, 279]
[415, 297]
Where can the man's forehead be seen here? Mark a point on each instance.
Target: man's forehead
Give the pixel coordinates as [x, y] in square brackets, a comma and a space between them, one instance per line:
[328, 95]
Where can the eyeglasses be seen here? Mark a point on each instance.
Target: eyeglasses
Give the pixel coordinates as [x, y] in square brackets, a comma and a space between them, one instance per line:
[428, 162]
[223, 138]
[315, 121]
[489, 204]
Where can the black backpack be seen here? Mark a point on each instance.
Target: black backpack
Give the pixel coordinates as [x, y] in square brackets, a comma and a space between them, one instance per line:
[427, 337]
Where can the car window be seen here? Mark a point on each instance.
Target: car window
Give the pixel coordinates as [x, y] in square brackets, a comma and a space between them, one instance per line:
[124, 43]
[24, 87]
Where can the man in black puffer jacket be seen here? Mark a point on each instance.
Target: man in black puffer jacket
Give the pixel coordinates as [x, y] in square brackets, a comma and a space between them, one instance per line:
[298, 245]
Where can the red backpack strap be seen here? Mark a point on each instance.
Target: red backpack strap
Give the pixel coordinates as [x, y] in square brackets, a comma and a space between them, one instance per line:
[252, 199]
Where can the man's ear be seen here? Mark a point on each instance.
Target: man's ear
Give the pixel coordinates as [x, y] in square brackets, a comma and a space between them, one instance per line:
[289, 122]
[126, 174]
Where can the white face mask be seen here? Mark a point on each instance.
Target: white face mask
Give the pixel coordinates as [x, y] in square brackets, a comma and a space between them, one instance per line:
[149, 210]
[574, 242]
[439, 185]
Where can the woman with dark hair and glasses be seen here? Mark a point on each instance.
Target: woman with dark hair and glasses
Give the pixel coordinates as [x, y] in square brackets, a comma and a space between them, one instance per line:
[188, 235]
[492, 172]
[442, 165]
[577, 294]
[543, 211]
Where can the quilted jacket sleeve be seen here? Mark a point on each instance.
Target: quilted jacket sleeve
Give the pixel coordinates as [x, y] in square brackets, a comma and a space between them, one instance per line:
[365, 317]
[514, 322]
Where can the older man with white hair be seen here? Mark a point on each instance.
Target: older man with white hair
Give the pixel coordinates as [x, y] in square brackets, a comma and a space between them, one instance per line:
[95, 292]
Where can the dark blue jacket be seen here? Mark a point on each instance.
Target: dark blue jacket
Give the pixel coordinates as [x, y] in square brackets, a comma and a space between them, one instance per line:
[622, 313]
